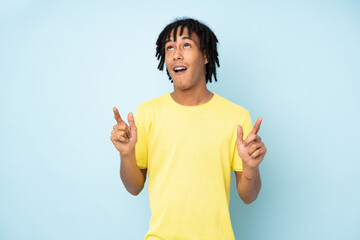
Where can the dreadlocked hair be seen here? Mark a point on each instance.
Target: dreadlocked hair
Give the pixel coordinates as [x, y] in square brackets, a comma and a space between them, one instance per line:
[207, 38]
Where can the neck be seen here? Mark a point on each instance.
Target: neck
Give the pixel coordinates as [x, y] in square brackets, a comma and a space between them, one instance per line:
[192, 97]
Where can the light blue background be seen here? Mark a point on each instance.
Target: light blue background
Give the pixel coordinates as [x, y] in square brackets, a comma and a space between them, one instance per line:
[63, 66]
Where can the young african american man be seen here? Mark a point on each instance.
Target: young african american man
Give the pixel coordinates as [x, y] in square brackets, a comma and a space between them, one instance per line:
[187, 142]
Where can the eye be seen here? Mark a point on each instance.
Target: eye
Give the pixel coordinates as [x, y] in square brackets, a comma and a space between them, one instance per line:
[169, 48]
[187, 45]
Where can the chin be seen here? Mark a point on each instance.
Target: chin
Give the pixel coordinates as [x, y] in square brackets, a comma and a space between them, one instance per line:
[181, 86]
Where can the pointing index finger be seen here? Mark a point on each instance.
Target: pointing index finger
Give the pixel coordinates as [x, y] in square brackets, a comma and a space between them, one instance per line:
[257, 126]
[117, 115]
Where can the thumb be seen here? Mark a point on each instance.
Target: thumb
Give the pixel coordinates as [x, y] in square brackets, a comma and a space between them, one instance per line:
[131, 121]
[240, 133]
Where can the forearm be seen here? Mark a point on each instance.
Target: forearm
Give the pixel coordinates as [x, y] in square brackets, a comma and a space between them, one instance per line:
[130, 174]
[250, 184]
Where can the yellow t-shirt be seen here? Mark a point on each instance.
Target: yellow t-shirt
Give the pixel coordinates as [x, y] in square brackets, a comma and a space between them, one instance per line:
[189, 152]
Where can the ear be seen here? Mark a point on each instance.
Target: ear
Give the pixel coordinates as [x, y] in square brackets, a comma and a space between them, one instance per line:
[205, 58]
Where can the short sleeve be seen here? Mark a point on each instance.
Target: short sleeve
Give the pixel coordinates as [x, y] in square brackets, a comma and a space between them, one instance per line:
[143, 124]
[247, 127]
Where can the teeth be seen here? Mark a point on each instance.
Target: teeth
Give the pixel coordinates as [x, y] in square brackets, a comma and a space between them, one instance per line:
[179, 68]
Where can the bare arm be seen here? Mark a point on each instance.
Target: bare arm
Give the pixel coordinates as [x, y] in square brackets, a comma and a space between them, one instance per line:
[132, 177]
[124, 139]
[252, 151]
[248, 185]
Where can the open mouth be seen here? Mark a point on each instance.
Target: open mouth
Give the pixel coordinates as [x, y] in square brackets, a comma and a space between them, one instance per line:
[179, 70]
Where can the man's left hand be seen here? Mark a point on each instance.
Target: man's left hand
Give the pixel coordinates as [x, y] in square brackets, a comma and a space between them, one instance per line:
[251, 150]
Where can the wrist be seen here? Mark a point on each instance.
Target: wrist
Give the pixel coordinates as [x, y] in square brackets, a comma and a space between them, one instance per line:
[124, 155]
[250, 172]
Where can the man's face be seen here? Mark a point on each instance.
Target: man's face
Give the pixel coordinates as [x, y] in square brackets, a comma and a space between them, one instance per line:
[184, 60]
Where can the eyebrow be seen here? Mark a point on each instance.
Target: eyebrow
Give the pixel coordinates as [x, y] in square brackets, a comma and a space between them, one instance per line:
[169, 40]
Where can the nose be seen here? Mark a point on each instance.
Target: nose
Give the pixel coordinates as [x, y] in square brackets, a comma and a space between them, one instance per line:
[178, 54]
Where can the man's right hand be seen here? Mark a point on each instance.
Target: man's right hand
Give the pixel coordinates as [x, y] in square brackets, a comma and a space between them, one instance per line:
[124, 137]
